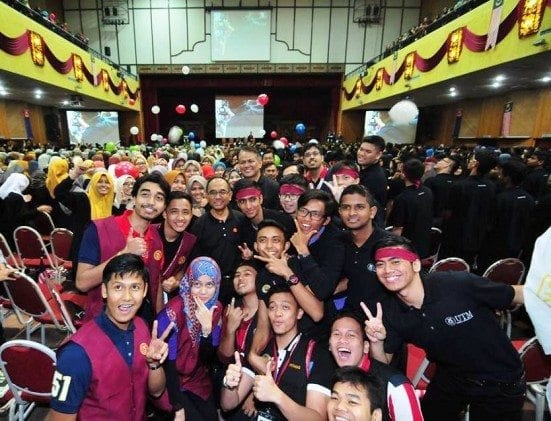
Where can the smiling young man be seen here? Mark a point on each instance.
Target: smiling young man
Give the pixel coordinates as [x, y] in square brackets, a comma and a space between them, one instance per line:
[451, 315]
[130, 232]
[296, 383]
[108, 368]
[250, 165]
[316, 171]
[349, 347]
[355, 396]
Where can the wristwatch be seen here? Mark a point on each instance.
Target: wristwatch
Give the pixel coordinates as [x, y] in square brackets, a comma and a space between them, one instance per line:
[293, 280]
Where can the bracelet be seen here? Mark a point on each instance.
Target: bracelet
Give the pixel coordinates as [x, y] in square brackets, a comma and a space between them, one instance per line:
[154, 367]
[225, 384]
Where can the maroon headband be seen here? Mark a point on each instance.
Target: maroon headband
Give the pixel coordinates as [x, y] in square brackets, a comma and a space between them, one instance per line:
[291, 189]
[248, 192]
[348, 171]
[398, 252]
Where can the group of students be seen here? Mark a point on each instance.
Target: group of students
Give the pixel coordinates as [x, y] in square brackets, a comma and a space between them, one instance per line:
[256, 306]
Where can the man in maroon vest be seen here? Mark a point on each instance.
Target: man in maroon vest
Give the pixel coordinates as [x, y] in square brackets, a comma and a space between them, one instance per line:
[112, 363]
[130, 232]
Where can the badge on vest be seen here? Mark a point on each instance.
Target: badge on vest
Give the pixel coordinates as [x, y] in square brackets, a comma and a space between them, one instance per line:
[182, 260]
[158, 255]
[143, 349]
[265, 288]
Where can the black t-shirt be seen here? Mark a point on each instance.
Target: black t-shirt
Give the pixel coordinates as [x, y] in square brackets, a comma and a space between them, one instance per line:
[270, 192]
[456, 326]
[169, 247]
[359, 268]
[249, 231]
[440, 186]
[374, 179]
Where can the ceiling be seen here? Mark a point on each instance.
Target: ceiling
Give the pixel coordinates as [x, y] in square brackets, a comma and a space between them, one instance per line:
[530, 73]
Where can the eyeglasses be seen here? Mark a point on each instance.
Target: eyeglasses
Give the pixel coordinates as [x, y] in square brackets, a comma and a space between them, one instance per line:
[214, 193]
[288, 196]
[315, 215]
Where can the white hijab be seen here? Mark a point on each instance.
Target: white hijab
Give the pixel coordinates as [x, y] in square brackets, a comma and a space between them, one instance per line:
[15, 183]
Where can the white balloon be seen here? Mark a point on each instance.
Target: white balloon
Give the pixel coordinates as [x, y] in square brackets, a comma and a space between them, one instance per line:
[194, 108]
[200, 151]
[154, 137]
[185, 70]
[159, 137]
[155, 109]
[313, 141]
[403, 112]
[134, 130]
[203, 144]
[278, 144]
[262, 132]
[174, 135]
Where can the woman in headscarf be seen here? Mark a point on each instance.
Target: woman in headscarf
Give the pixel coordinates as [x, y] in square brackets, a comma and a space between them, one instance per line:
[197, 189]
[123, 194]
[176, 179]
[196, 315]
[15, 210]
[192, 168]
[101, 193]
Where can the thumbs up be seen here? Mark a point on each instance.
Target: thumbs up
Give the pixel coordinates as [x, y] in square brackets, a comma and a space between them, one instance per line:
[233, 373]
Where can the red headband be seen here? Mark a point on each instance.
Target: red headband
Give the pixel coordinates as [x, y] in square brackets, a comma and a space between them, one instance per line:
[348, 171]
[398, 252]
[291, 189]
[247, 192]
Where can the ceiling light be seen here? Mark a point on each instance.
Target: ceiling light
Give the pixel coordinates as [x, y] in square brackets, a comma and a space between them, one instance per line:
[37, 96]
[38, 92]
[546, 79]
[453, 93]
[65, 102]
[500, 78]
[3, 92]
[452, 89]
[496, 85]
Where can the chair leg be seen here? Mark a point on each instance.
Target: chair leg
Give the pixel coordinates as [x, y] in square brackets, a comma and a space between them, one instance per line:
[42, 334]
[509, 323]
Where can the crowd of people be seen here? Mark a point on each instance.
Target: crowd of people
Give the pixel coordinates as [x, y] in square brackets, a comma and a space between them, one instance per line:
[253, 283]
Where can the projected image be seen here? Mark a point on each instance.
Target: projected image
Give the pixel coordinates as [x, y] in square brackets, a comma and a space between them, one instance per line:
[87, 127]
[379, 123]
[238, 116]
[231, 30]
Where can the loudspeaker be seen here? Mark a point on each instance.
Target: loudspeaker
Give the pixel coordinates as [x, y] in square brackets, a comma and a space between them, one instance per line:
[53, 133]
[108, 51]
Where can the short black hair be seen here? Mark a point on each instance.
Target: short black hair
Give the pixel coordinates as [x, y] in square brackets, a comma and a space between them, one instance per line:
[300, 167]
[343, 314]
[375, 140]
[361, 190]
[155, 178]
[486, 162]
[125, 264]
[296, 179]
[515, 170]
[311, 145]
[360, 379]
[413, 169]
[245, 183]
[393, 241]
[278, 289]
[251, 149]
[323, 196]
[217, 178]
[272, 223]
[176, 194]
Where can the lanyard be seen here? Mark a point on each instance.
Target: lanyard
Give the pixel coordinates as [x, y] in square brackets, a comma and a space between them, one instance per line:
[289, 351]
[241, 334]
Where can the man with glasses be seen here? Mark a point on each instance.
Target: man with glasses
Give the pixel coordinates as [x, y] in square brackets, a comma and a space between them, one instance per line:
[250, 165]
[440, 184]
[290, 188]
[313, 161]
[218, 233]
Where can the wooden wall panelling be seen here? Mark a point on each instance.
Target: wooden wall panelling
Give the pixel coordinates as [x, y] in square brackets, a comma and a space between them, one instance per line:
[4, 130]
[542, 123]
[490, 116]
[471, 117]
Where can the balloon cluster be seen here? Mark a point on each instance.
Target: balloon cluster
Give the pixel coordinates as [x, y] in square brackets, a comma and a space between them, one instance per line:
[124, 168]
[180, 109]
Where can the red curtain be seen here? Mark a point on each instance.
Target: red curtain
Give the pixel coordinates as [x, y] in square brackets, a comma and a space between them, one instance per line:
[15, 46]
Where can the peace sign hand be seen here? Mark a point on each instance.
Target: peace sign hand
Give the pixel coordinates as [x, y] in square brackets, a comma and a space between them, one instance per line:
[300, 240]
[157, 351]
[204, 316]
[276, 266]
[336, 190]
[246, 252]
[374, 327]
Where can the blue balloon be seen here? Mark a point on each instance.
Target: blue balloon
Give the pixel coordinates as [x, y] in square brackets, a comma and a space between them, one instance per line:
[300, 129]
[191, 135]
[293, 148]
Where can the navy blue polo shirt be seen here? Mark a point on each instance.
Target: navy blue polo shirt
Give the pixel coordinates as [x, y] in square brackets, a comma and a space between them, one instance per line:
[456, 326]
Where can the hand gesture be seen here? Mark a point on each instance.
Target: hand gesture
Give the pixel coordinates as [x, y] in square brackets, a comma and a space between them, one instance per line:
[276, 266]
[374, 328]
[6, 272]
[233, 372]
[300, 240]
[265, 388]
[157, 351]
[248, 406]
[246, 252]
[135, 245]
[234, 316]
[204, 316]
[258, 362]
[170, 284]
[44, 208]
[335, 189]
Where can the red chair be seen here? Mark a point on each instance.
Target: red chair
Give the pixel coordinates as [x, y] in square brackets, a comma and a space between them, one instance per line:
[455, 264]
[435, 242]
[31, 249]
[11, 259]
[29, 368]
[61, 241]
[44, 224]
[40, 307]
[537, 367]
[508, 271]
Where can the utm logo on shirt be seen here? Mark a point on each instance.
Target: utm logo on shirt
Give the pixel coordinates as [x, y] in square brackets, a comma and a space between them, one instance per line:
[459, 318]
[158, 255]
[294, 366]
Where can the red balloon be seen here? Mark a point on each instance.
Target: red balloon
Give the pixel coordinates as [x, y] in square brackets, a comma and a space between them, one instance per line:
[131, 101]
[284, 141]
[180, 109]
[125, 167]
[273, 135]
[262, 99]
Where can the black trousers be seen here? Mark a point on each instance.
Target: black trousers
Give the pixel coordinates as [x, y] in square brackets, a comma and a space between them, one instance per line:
[448, 394]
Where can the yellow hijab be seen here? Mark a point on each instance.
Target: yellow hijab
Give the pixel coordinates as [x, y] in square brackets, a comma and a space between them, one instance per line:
[101, 205]
[58, 170]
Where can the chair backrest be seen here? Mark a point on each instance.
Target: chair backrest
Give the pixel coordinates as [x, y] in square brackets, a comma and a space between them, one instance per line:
[508, 271]
[27, 297]
[455, 264]
[11, 259]
[44, 223]
[29, 369]
[63, 310]
[30, 245]
[62, 240]
[435, 241]
[537, 365]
